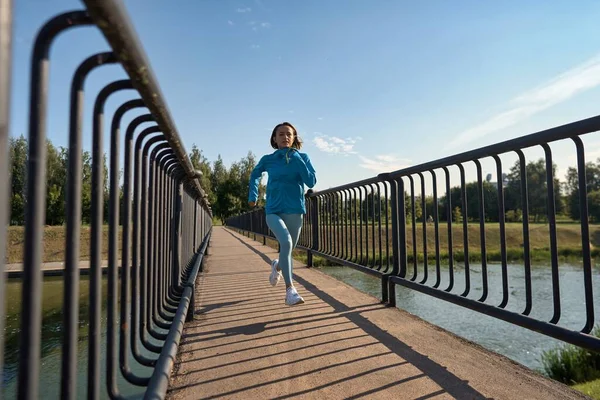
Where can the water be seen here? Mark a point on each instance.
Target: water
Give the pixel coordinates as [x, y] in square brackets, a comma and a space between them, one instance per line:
[519, 344]
[50, 370]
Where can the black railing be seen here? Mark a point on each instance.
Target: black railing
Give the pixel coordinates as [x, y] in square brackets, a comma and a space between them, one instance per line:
[166, 218]
[372, 226]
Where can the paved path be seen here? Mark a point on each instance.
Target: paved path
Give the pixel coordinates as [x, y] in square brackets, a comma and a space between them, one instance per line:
[245, 343]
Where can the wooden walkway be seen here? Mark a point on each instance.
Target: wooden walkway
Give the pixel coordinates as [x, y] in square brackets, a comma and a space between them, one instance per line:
[245, 343]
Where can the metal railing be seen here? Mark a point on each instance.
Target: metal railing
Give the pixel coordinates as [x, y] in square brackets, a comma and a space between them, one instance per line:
[372, 226]
[166, 217]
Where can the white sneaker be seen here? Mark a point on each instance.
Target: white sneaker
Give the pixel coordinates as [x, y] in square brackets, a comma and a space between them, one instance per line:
[292, 297]
[275, 275]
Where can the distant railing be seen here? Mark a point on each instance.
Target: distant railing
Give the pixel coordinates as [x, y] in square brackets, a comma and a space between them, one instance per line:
[372, 226]
[167, 219]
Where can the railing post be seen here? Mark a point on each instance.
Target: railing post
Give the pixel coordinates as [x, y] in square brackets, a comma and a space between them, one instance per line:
[177, 232]
[195, 225]
[314, 227]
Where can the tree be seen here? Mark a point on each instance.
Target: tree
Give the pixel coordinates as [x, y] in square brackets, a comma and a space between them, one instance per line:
[592, 177]
[86, 188]
[56, 180]
[594, 205]
[230, 186]
[537, 189]
[202, 164]
[18, 157]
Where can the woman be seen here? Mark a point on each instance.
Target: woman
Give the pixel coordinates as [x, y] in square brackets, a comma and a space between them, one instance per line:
[288, 170]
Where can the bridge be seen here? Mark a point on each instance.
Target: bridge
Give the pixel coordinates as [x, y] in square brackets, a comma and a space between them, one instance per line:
[188, 313]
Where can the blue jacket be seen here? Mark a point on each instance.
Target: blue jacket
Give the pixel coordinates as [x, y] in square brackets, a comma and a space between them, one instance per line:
[289, 170]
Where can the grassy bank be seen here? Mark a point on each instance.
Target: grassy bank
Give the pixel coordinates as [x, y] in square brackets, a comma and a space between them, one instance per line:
[54, 243]
[568, 239]
[568, 236]
[591, 389]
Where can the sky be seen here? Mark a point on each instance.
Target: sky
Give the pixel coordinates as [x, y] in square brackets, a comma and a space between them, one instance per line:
[372, 86]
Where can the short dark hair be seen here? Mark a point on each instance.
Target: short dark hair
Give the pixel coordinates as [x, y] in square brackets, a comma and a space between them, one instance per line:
[297, 144]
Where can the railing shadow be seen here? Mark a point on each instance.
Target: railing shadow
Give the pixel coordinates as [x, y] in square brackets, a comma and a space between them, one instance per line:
[449, 382]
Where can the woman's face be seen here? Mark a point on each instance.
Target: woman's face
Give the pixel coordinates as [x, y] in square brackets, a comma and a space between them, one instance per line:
[284, 136]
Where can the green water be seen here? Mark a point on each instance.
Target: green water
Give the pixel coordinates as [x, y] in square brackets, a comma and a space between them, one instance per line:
[50, 369]
[519, 344]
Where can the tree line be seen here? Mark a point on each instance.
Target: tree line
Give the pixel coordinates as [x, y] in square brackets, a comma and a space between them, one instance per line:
[371, 205]
[227, 188]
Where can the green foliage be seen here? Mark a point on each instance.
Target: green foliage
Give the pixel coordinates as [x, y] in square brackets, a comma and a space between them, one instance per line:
[227, 191]
[592, 176]
[594, 205]
[457, 215]
[230, 186]
[514, 216]
[591, 389]
[571, 364]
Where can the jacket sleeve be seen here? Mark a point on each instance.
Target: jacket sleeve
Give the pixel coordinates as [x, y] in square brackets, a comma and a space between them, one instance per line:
[255, 180]
[307, 171]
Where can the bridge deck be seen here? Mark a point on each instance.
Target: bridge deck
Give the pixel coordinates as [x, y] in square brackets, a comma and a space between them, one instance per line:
[245, 343]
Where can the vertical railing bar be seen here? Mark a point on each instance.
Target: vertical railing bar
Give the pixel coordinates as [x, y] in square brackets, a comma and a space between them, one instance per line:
[373, 224]
[159, 268]
[482, 238]
[73, 227]
[154, 186]
[436, 221]
[336, 206]
[323, 241]
[113, 222]
[366, 218]
[501, 220]
[140, 240]
[551, 210]
[379, 227]
[6, 35]
[355, 203]
[331, 229]
[95, 288]
[147, 227]
[149, 193]
[424, 216]
[414, 227]
[465, 223]
[30, 343]
[401, 229]
[449, 222]
[585, 236]
[361, 227]
[526, 244]
[387, 227]
[129, 286]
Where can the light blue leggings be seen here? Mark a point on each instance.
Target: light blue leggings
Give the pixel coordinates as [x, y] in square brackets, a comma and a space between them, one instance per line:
[286, 228]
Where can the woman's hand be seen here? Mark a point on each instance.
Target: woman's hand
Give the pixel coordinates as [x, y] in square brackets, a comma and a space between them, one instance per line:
[252, 204]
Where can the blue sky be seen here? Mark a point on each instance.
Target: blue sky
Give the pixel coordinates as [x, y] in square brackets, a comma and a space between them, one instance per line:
[373, 86]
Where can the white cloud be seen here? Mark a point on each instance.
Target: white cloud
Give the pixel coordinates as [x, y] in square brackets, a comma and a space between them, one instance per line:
[243, 10]
[255, 46]
[383, 163]
[230, 22]
[560, 89]
[334, 145]
[258, 25]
